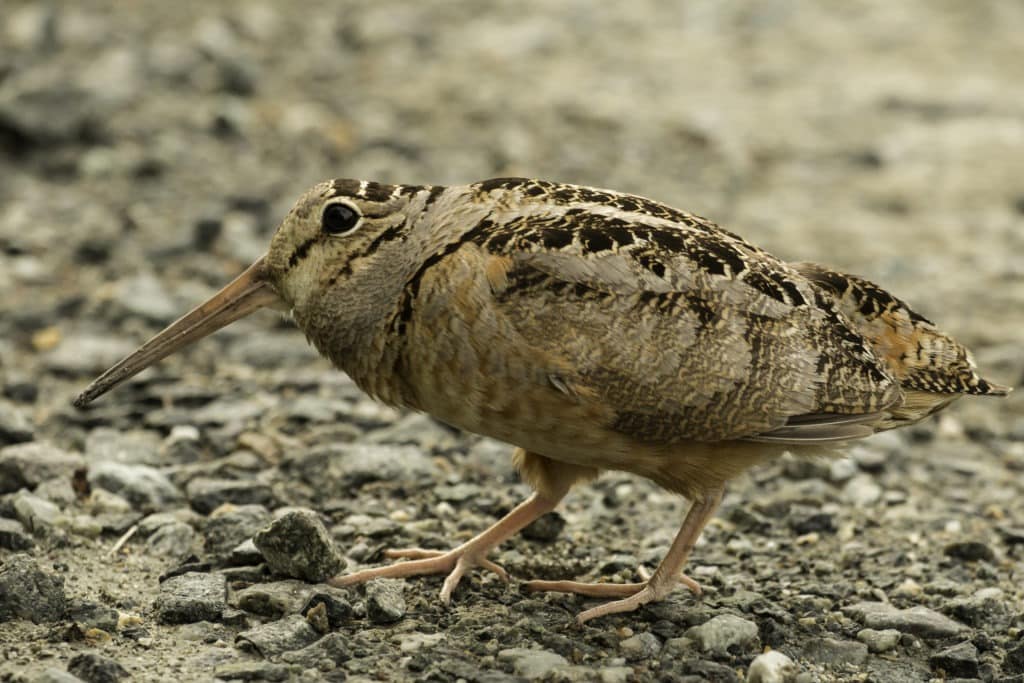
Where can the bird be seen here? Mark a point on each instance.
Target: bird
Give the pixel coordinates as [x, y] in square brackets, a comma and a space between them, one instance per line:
[592, 330]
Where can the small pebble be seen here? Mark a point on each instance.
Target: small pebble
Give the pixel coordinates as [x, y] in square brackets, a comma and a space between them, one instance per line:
[385, 603]
[879, 641]
[532, 664]
[14, 425]
[206, 495]
[970, 551]
[639, 647]
[14, 536]
[772, 667]
[722, 635]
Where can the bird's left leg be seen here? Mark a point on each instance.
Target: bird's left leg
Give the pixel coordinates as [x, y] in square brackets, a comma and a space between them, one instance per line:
[665, 577]
[551, 480]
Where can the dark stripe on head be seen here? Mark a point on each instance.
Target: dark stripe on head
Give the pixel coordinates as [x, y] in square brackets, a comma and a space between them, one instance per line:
[345, 187]
[376, 192]
[301, 251]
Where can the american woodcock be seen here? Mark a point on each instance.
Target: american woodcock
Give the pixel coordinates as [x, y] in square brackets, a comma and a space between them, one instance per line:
[592, 329]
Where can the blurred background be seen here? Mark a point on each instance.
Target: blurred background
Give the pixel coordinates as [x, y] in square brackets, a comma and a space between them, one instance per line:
[149, 149]
[147, 152]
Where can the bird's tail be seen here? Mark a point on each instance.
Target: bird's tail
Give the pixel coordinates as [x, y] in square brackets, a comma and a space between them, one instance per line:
[933, 369]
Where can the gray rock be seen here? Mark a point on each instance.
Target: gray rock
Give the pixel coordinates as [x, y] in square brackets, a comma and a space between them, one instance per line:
[722, 636]
[335, 601]
[988, 609]
[805, 520]
[532, 664]
[771, 667]
[640, 646]
[274, 599]
[273, 638]
[27, 592]
[227, 409]
[206, 495]
[960, 661]
[96, 669]
[355, 464]
[38, 515]
[333, 647]
[545, 528]
[13, 535]
[862, 491]
[297, 544]
[144, 296]
[919, 620]
[834, 653]
[385, 603]
[15, 426]
[252, 671]
[93, 615]
[30, 464]
[245, 553]
[1013, 662]
[183, 445]
[141, 485]
[53, 675]
[191, 597]
[970, 551]
[133, 447]
[879, 641]
[174, 540]
[88, 354]
[231, 526]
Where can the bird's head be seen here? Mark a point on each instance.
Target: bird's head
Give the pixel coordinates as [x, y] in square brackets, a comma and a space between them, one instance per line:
[330, 262]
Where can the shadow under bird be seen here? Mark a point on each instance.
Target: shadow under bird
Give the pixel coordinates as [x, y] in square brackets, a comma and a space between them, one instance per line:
[593, 330]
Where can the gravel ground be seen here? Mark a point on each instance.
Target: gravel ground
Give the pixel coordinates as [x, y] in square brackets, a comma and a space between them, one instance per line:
[146, 155]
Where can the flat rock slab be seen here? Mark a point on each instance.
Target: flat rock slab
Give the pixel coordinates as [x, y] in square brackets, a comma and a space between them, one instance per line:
[277, 637]
[919, 621]
[192, 597]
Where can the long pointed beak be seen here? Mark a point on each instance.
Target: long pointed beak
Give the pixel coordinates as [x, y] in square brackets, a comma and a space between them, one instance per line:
[246, 293]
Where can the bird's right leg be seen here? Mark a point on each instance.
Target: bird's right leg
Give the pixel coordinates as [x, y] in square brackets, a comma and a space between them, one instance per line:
[552, 481]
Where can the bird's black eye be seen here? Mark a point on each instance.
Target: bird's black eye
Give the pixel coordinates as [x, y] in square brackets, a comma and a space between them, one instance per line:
[339, 218]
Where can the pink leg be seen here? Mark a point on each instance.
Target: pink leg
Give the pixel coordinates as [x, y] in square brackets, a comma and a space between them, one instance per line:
[457, 561]
[665, 577]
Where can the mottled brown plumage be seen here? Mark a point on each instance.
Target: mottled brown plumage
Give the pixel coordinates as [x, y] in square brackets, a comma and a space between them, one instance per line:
[594, 330]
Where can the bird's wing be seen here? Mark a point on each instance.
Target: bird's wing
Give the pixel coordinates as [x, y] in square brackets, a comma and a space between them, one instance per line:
[685, 331]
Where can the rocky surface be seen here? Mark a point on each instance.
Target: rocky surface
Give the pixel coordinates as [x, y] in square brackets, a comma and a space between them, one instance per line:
[146, 155]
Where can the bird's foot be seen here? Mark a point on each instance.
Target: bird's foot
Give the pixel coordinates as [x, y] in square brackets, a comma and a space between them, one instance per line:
[422, 561]
[631, 595]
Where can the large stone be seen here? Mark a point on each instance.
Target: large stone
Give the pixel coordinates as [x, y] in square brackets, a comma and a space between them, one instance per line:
[206, 495]
[96, 669]
[297, 544]
[771, 667]
[27, 592]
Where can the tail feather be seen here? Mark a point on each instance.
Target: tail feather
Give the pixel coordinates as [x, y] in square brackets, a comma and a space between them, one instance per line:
[931, 367]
